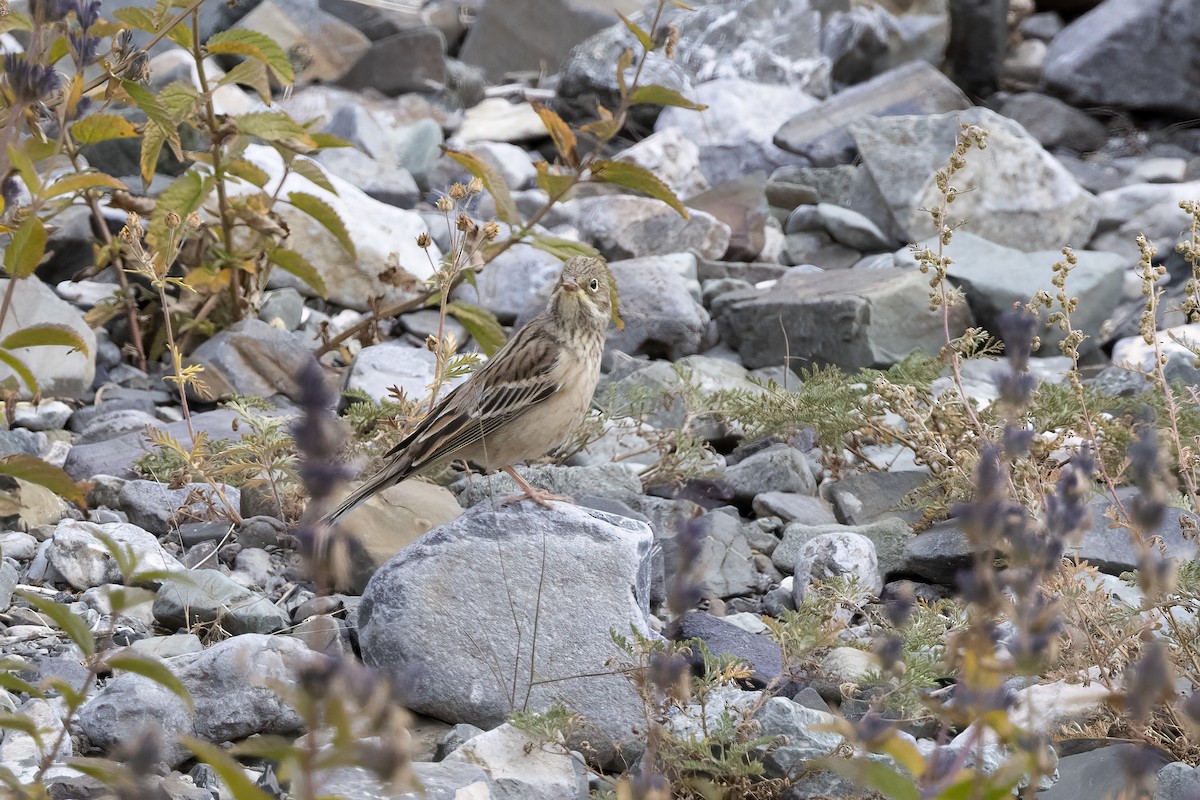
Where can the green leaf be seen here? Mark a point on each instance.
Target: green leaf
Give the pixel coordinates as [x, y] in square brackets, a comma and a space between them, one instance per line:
[26, 248]
[562, 248]
[255, 45]
[185, 194]
[14, 721]
[153, 138]
[155, 670]
[875, 775]
[324, 214]
[110, 773]
[149, 103]
[298, 265]
[32, 469]
[631, 176]
[57, 51]
[327, 140]
[554, 184]
[9, 681]
[506, 209]
[143, 19]
[480, 323]
[24, 166]
[313, 172]
[101, 128]
[178, 98]
[252, 74]
[276, 127]
[643, 36]
[229, 770]
[46, 334]
[86, 180]
[14, 21]
[662, 96]
[18, 366]
[248, 171]
[74, 627]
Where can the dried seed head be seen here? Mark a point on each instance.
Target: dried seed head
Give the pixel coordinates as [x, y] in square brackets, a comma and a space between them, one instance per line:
[458, 192]
[445, 204]
[172, 219]
[491, 230]
[465, 224]
[475, 186]
[424, 240]
[431, 343]
[672, 40]
[194, 221]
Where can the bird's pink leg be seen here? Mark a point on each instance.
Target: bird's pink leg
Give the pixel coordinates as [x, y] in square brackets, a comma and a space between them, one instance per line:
[531, 492]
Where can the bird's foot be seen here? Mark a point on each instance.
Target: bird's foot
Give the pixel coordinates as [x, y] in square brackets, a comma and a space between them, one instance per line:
[530, 492]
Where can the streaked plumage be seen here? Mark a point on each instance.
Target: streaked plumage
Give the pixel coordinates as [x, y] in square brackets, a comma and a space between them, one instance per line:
[524, 401]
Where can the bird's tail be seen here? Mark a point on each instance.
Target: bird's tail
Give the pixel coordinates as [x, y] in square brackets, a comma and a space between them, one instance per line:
[391, 474]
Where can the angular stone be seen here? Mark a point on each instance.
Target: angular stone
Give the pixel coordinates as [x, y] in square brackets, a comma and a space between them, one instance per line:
[385, 181]
[157, 508]
[1101, 59]
[462, 656]
[822, 134]
[208, 596]
[1054, 123]
[673, 156]
[78, 552]
[1116, 550]
[792, 507]
[1021, 197]
[512, 281]
[779, 468]
[613, 481]
[115, 456]
[849, 319]
[979, 34]
[939, 554]
[742, 205]
[59, 370]
[254, 358]
[662, 320]
[377, 368]
[726, 639]
[626, 226]
[890, 538]
[328, 47]
[409, 61]
[520, 767]
[441, 780]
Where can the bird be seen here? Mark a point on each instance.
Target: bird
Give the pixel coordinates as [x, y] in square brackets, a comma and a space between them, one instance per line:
[524, 401]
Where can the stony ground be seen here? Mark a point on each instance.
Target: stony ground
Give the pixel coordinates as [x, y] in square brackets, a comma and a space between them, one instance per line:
[805, 180]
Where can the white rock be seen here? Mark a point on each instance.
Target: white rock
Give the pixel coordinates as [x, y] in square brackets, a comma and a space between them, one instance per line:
[80, 556]
[522, 768]
[673, 157]
[496, 119]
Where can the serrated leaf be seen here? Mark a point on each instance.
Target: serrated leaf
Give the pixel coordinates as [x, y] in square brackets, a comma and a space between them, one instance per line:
[149, 103]
[32, 469]
[324, 214]
[551, 183]
[562, 248]
[255, 45]
[18, 366]
[296, 264]
[229, 770]
[26, 248]
[631, 176]
[643, 36]
[46, 334]
[185, 194]
[663, 96]
[252, 74]
[276, 127]
[328, 140]
[143, 19]
[74, 627]
[23, 164]
[248, 171]
[313, 172]
[101, 128]
[506, 209]
[87, 180]
[155, 670]
[153, 138]
[178, 98]
[483, 326]
[560, 133]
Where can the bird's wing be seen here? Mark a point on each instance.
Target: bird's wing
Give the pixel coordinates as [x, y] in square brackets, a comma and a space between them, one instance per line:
[514, 380]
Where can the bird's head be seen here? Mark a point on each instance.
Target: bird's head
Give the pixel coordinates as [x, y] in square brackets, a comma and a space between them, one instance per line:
[585, 291]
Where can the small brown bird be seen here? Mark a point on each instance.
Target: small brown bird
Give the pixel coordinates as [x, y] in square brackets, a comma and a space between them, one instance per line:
[524, 401]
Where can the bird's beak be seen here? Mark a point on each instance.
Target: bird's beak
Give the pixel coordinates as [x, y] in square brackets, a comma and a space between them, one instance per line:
[570, 286]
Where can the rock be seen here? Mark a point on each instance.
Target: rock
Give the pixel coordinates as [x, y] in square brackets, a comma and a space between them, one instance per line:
[800, 725]
[628, 226]
[863, 497]
[529, 36]
[513, 281]
[327, 46]
[822, 134]
[59, 370]
[1043, 26]
[254, 358]
[498, 120]
[377, 368]
[726, 562]
[838, 555]
[660, 384]
[462, 657]
[231, 691]
[375, 228]
[520, 767]
[1176, 781]
[779, 468]
[793, 507]
[734, 132]
[8, 582]
[1116, 550]
[78, 552]
[889, 536]
[978, 41]
[1022, 197]
[850, 320]
[26, 505]
[282, 308]
[723, 638]
[22, 754]
[390, 521]
[672, 155]
[848, 665]
[662, 320]
[853, 229]
[1054, 123]
[17, 545]
[455, 738]
[1097, 59]
[1097, 281]
[22, 441]
[437, 781]
[614, 481]
[386, 181]
[939, 554]
[48, 415]
[155, 507]
[1148, 208]
[408, 61]
[115, 456]
[1103, 771]
[208, 596]
[740, 204]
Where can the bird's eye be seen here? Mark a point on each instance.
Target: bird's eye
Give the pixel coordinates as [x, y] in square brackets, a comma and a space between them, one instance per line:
[594, 284]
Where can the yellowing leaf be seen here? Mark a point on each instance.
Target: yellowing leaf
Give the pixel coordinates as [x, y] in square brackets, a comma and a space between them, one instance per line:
[18, 366]
[153, 139]
[32, 469]
[276, 127]
[101, 128]
[26, 248]
[46, 334]
[324, 214]
[663, 96]
[562, 248]
[255, 45]
[631, 176]
[560, 134]
[74, 627]
[480, 323]
[506, 209]
[81, 181]
[248, 171]
[296, 264]
[643, 36]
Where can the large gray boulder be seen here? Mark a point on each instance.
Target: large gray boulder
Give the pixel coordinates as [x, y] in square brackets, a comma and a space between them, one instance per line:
[59, 370]
[850, 319]
[513, 607]
[1020, 197]
[79, 553]
[629, 226]
[1130, 54]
